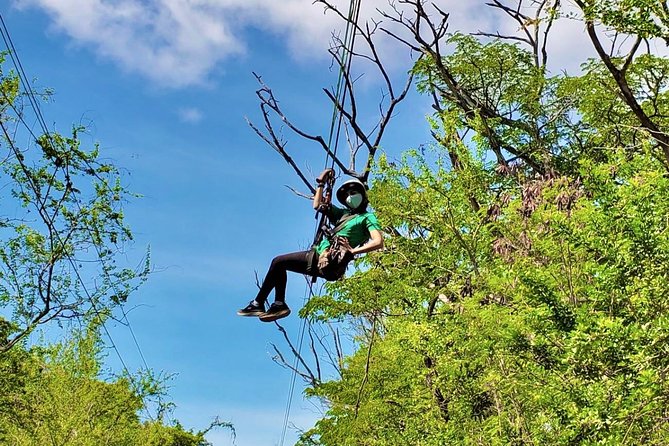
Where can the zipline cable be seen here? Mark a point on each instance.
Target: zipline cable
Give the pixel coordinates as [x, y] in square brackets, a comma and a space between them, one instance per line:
[336, 122]
[13, 54]
[345, 66]
[308, 294]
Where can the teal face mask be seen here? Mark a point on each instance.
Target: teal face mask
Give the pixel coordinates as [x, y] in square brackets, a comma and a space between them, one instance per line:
[354, 200]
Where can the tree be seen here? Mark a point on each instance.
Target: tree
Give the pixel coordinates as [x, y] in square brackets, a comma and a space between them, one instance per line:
[61, 228]
[53, 395]
[520, 299]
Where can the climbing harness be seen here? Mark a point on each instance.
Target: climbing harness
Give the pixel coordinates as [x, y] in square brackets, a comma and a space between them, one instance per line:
[332, 262]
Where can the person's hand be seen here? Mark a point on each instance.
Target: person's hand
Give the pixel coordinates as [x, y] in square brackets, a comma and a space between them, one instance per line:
[323, 259]
[348, 254]
[324, 176]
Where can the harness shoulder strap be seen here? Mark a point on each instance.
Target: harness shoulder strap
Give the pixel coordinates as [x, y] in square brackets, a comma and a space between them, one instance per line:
[342, 222]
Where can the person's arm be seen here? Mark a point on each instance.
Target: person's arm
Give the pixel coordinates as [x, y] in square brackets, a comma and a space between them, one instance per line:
[375, 242]
[320, 181]
[318, 196]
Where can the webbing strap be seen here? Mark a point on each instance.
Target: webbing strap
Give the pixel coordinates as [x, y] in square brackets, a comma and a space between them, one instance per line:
[342, 222]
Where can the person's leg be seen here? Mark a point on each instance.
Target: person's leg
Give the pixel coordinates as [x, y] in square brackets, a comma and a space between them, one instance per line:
[297, 262]
[276, 277]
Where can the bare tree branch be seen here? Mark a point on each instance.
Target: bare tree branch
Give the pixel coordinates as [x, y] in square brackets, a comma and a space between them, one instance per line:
[314, 353]
[344, 102]
[308, 374]
[334, 361]
[367, 363]
[628, 96]
[279, 359]
[523, 20]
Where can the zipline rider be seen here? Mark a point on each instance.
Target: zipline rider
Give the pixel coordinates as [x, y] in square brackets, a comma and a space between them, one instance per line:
[356, 231]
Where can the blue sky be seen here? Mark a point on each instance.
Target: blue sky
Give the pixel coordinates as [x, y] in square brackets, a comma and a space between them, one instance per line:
[164, 86]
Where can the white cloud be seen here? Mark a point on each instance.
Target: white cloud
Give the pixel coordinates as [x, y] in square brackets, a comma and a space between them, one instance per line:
[190, 115]
[171, 42]
[178, 43]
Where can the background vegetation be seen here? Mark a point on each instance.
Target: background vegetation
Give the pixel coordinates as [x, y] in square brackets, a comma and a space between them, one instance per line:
[521, 297]
[61, 230]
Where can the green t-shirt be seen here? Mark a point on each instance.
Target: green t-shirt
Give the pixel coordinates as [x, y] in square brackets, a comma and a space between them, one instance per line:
[356, 230]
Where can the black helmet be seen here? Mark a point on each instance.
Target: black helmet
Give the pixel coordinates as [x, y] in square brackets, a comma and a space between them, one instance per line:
[352, 184]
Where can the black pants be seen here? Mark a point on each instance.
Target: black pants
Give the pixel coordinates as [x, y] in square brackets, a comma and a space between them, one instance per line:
[276, 277]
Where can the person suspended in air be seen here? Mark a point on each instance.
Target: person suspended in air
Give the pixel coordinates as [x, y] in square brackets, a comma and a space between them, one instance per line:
[356, 231]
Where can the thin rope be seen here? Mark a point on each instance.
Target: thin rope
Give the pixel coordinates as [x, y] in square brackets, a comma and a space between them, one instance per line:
[340, 89]
[125, 314]
[337, 120]
[308, 294]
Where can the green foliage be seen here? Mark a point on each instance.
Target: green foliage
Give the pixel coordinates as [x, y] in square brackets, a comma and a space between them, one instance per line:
[547, 324]
[517, 301]
[605, 118]
[61, 226]
[647, 18]
[54, 396]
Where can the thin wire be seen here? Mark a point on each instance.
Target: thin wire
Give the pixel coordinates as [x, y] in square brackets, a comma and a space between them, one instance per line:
[23, 78]
[291, 388]
[6, 37]
[341, 90]
[134, 338]
[115, 289]
[340, 98]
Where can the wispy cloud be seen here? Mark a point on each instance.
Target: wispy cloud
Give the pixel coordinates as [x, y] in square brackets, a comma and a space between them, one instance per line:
[171, 42]
[190, 115]
[179, 43]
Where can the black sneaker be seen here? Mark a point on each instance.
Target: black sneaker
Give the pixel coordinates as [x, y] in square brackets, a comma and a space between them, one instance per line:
[252, 309]
[276, 311]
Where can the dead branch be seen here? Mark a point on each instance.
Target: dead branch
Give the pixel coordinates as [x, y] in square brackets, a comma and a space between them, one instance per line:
[430, 46]
[367, 363]
[334, 362]
[371, 139]
[307, 374]
[279, 359]
[312, 345]
[497, 35]
[340, 351]
[523, 20]
[344, 103]
[298, 193]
